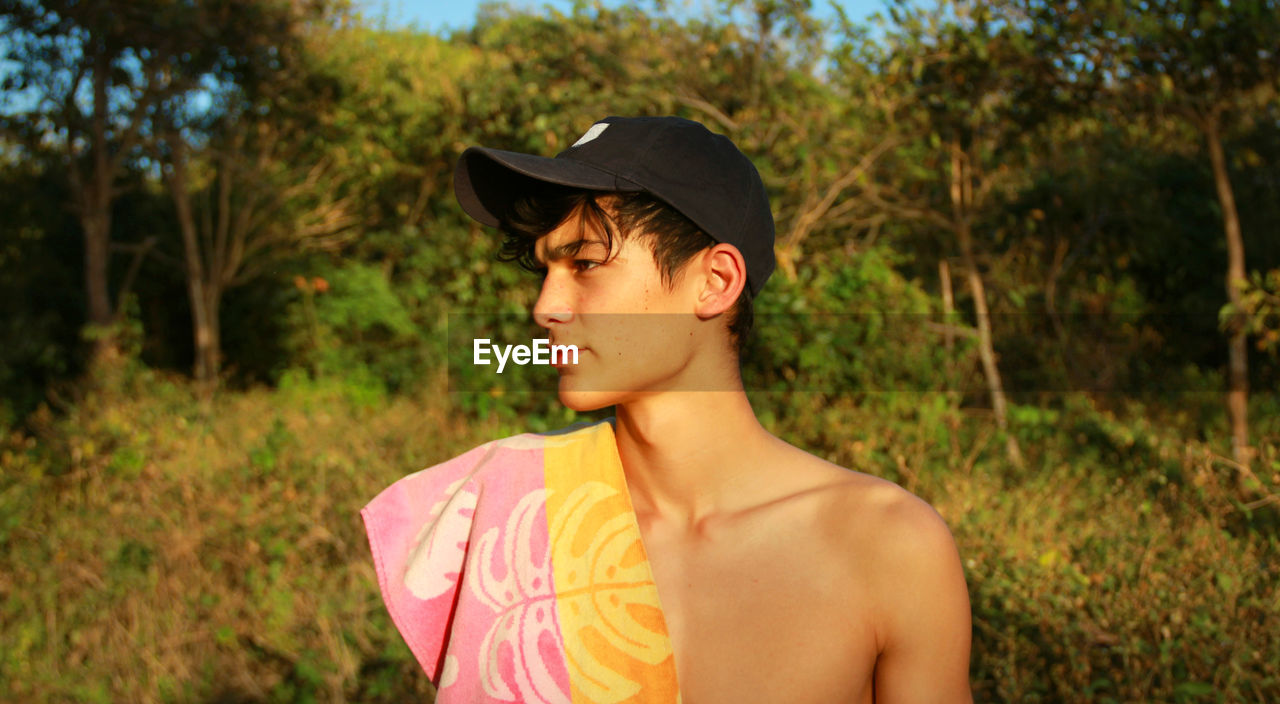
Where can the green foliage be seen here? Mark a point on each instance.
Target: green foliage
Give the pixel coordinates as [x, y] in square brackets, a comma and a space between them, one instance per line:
[41, 296]
[1106, 610]
[1260, 306]
[346, 321]
[857, 328]
[1196, 60]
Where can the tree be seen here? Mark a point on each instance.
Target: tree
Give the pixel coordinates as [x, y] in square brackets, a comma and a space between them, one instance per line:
[88, 74]
[91, 76]
[813, 148]
[1214, 65]
[952, 90]
[254, 192]
[244, 161]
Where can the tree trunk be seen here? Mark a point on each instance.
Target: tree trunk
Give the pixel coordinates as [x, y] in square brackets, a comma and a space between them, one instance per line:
[960, 196]
[209, 339]
[97, 253]
[948, 304]
[202, 296]
[1237, 351]
[95, 218]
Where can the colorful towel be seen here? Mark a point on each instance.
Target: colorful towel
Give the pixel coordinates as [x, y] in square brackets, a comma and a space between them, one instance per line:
[516, 573]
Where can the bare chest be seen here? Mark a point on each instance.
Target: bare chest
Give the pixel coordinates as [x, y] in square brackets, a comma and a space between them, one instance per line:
[764, 619]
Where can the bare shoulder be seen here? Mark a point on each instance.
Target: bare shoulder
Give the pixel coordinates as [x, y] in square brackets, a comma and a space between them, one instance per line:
[871, 518]
[919, 599]
[875, 512]
[899, 525]
[900, 552]
[902, 547]
[909, 554]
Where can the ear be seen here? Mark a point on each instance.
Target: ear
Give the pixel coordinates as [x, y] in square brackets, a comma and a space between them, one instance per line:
[724, 274]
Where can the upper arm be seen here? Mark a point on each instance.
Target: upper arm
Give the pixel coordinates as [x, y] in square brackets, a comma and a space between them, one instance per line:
[925, 622]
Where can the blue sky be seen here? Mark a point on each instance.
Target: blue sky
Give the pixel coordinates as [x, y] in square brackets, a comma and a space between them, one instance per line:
[440, 15]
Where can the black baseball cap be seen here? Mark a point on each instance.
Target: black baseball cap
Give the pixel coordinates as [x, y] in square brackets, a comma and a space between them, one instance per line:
[697, 172]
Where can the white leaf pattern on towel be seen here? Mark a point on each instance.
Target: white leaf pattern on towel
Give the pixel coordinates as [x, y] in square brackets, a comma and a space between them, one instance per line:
[449, 673]
[435, 560]
[517, 585]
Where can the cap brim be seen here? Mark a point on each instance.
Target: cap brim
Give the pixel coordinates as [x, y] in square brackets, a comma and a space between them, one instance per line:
[485, 179]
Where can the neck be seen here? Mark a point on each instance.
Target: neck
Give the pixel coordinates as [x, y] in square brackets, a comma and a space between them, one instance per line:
[691, 454]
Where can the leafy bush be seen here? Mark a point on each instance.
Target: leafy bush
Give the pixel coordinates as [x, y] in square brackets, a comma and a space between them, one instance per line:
[346, 321]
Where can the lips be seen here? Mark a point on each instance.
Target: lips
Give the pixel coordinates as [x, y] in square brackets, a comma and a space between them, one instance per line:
[562, 365]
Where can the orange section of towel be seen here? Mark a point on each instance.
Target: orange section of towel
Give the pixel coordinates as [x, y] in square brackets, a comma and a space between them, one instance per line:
[615, 637]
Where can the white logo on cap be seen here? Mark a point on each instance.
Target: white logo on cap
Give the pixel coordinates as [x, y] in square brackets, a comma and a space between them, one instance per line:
[595, 131]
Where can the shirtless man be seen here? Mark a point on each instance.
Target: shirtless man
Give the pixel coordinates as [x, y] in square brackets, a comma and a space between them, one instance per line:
[783, 577]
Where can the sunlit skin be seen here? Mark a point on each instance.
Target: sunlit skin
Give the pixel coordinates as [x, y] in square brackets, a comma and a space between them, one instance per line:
[783, 577]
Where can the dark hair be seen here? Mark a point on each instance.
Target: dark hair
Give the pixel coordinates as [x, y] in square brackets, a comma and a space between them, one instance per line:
[673, 238]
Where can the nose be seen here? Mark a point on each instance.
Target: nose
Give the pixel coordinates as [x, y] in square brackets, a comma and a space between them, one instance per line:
[552, 305]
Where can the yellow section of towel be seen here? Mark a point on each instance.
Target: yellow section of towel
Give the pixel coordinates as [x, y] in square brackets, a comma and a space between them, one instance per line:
[615, 637]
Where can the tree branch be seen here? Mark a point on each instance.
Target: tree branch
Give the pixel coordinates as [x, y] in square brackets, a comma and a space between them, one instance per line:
[139, 253]
[698, 103]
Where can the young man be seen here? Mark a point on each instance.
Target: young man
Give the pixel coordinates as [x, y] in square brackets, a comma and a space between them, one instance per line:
[779, 577]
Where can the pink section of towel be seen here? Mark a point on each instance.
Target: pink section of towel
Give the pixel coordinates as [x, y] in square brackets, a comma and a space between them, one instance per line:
[462, 557]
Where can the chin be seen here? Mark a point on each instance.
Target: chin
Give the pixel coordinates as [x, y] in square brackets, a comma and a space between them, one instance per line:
[590, 392]
[582, 401]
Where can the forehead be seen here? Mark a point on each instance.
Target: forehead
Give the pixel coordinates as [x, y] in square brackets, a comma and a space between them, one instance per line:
[575, 233]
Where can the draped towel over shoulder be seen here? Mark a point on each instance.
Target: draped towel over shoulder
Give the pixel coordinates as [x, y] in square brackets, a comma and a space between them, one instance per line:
[516, 573]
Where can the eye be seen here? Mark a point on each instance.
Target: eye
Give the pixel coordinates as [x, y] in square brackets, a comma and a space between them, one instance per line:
[585, 264]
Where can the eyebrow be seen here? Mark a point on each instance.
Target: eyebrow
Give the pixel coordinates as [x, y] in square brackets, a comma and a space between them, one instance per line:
[564, 250]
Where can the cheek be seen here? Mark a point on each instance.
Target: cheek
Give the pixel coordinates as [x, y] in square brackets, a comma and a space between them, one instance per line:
[631, 334]
[648, 344]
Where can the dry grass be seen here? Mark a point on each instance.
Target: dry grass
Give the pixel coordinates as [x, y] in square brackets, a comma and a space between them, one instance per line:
[155, 548]
[188, 551]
